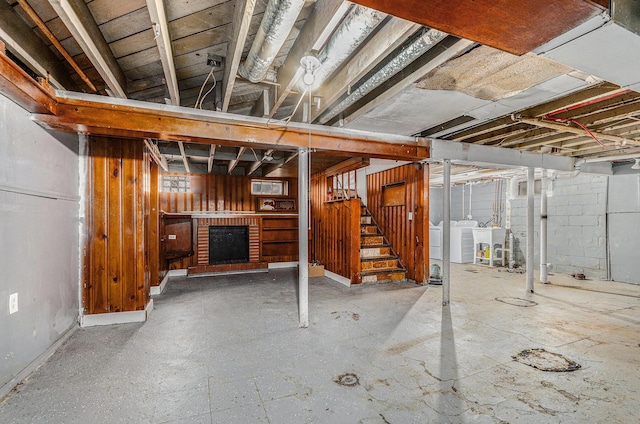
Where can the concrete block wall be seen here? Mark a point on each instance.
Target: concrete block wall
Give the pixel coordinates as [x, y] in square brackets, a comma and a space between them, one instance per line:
[576, 227]
[482, 199]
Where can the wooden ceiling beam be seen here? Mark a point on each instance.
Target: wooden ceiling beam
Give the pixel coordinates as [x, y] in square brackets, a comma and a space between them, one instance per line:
[212, 154]
[184, 156]
[78, 19]
[505, 25]
[142, 120]
[324, 18]
[160, 27]
[31, 50]
[17, 85]
[242, 15]
[233, 163]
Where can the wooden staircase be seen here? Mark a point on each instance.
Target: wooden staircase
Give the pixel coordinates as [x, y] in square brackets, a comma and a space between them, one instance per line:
[378, 261]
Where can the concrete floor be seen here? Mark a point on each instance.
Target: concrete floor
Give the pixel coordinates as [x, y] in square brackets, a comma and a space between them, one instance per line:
[228, 350]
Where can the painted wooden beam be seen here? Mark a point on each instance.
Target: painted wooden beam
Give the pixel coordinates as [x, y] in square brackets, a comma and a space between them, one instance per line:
[160, 26]
[212, 154]
[184, 157]
[77, 17]
[242, 15]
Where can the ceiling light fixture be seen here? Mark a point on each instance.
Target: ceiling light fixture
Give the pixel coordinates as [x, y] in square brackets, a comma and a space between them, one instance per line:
[310, 63]
[636, 165]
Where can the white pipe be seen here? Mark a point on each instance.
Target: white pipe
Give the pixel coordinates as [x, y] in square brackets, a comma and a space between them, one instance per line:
[303, 237]
[530, 228]
[512, 260]
[279, 17]
[607, 159]
[470, 216]
[446, 232]
[543, 230]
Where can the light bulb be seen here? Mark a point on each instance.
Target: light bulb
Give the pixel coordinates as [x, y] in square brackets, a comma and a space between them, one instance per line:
[308, 78]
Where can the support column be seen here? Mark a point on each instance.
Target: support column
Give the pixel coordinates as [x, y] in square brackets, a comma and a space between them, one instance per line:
[530, 227]
[446, 231]
[303, 237]
[543, 229]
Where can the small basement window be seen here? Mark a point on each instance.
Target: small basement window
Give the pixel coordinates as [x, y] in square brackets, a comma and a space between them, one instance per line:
[176, 184]
[522, 188]
[270, 187]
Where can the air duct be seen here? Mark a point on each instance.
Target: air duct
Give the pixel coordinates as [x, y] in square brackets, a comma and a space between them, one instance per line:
[279, 17]
[413, 51]
[352, 31]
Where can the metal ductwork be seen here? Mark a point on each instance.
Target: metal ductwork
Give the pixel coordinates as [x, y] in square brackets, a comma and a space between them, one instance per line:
[279, 17]
[352, 31]
[407, 55]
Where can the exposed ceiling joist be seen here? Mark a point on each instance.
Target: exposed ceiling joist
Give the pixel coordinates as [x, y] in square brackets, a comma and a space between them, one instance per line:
[324, 18]
[275, 166]
[232, 164]
[383, 42]
[25, 44]
[242, 15]
[184, 156]
[412, 73]
[160, 26]
[255, 165]
[78, 19]
[49, 35]
[620, 141]
[156, 155]
[212, 154]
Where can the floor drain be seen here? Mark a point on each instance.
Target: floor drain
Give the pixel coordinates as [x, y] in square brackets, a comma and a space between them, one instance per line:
[516, 301]
[348, 380]
[546, 361]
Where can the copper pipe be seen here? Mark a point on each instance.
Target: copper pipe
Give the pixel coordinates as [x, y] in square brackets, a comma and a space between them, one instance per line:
[34, 16]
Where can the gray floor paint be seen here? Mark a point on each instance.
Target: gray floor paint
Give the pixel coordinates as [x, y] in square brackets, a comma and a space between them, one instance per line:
[227, 350]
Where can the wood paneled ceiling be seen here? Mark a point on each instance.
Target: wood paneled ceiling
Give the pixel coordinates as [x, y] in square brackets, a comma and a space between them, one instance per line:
[378, 71]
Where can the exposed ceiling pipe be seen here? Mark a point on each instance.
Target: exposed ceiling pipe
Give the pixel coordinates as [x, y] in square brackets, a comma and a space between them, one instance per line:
[608, 159]
[352, 31]
[574, 130]
[413, 51]
[279, 17]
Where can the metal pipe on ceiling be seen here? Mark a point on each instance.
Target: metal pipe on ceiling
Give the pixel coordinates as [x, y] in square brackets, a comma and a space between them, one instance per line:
[279, 17]
[356, 26]
[407, 55]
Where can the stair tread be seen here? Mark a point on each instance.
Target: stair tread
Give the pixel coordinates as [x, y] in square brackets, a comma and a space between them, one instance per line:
[383, 271]
[378, 258]
[373, 246]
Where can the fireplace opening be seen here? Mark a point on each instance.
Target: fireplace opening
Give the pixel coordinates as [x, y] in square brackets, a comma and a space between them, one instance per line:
[228, 244]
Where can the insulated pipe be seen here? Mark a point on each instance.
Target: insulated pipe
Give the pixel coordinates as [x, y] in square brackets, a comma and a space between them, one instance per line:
[530, 236]
[277, 22]
[416, 49]
[446, 232]
[543, 229]
[354, 29]
[303, 237]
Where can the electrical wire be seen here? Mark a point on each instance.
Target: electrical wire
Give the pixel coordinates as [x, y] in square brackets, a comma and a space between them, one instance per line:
[573, 121]
[200, 98]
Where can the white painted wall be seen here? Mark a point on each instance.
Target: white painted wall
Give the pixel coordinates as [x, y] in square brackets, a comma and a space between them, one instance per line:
[38, 239]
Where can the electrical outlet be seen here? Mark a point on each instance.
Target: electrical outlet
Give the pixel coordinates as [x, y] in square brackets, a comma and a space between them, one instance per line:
[13, 303]
[172, 236]
[214, 60]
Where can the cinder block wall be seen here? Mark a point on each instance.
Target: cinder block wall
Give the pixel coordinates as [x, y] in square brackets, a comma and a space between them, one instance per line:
[482, 199]
[576, 226]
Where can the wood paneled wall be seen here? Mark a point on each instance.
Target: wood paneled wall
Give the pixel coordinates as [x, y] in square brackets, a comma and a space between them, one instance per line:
[152, 223]
[116, 279]
[212, 193]
[408, 237]
[335, 231]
